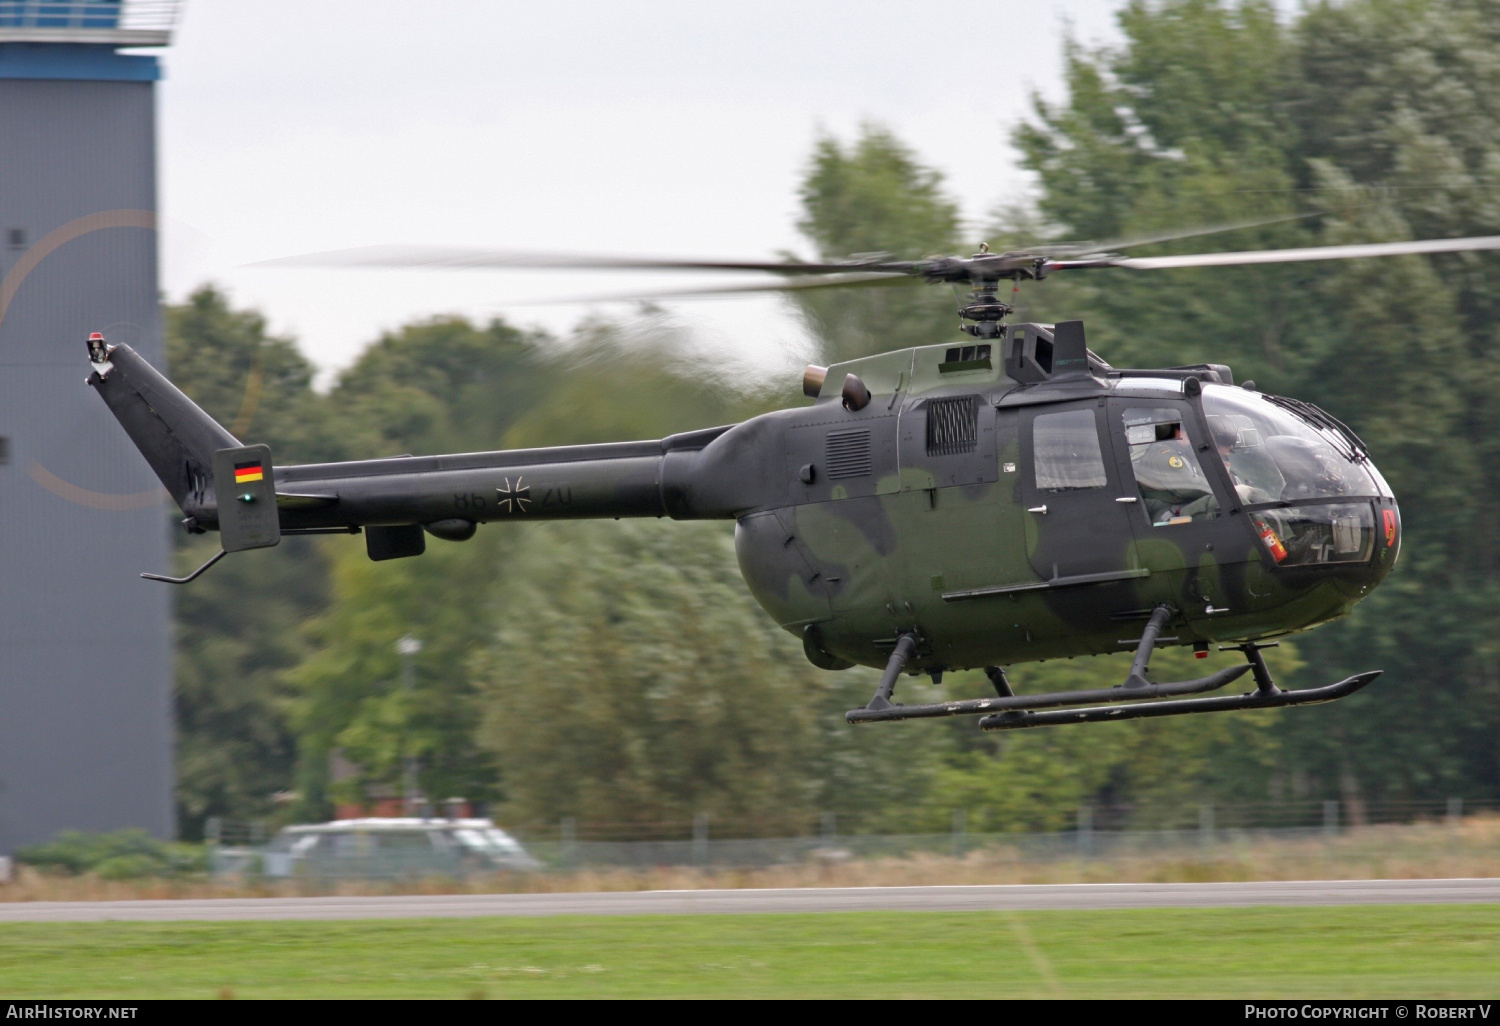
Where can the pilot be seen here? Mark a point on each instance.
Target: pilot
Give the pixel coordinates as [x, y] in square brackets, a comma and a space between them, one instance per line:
[1171, 482]
[1226, 437]
[1255, 475]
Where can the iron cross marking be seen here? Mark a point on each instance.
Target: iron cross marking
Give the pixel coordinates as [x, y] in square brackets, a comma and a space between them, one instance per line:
[514, 499]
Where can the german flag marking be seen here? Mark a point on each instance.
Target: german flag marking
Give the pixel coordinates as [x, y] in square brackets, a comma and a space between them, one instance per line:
[244, 473]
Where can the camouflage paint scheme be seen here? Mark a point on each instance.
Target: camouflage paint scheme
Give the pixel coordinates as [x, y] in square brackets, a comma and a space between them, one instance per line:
[842, 544]
[901, 553]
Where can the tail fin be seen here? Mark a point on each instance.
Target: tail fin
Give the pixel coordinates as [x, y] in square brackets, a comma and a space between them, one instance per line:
[177, 438]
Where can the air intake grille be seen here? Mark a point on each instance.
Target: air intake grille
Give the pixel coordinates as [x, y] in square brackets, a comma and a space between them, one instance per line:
[952, 425]
[848, 454]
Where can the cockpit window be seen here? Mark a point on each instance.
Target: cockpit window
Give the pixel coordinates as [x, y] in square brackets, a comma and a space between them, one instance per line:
[1275, 455]
[1327, 532]
[1172, 484]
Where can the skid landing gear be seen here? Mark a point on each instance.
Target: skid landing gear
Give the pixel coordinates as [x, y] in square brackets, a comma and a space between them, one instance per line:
[1128, 701]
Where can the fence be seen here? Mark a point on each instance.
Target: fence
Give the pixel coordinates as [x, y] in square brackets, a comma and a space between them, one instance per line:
[1333, 815]
[1213, 831]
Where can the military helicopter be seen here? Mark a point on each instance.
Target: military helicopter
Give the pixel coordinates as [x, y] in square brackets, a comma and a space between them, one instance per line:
[1009, 499]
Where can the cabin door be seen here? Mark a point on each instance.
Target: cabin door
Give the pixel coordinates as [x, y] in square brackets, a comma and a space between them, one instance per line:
[1188, 527]
[1076, 525]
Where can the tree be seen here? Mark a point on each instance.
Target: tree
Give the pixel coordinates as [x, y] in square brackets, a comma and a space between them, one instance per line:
[873, 196]
[1376, 117]
[631, 677]
[440, 385]
[349, 694]
[633, 681]
[607, 384]
[246, 652]
[1184, 127]
[238, 628]
[256, 384]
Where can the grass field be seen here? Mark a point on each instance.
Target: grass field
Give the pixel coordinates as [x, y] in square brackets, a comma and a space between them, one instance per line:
[1357, 952]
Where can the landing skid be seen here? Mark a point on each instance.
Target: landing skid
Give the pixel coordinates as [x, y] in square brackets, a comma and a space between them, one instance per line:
[1128, 701]
[1256, 699]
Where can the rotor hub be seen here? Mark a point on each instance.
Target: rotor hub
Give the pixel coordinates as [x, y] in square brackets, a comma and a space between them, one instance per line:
[984, 314]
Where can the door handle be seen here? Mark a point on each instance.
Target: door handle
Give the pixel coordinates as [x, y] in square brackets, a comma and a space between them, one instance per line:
[1127, 498]
[1037, 509]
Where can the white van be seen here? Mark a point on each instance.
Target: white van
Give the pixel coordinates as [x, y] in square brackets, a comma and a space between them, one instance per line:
[398, 846]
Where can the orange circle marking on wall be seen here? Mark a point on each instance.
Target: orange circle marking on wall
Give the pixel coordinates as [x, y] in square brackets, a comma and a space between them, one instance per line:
[49, 243]
[11, 284]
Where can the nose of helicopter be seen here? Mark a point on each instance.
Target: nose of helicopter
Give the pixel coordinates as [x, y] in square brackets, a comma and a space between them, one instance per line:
[1322, 512]
[1390, 533]
[1331, 554]
[1362, 578]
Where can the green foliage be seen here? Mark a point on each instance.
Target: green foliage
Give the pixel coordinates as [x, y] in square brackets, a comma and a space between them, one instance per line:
[121, 855]
[257, 385]
[1184, 127]
[873, 196]
[1377, 116]
[253, 633]
[623, 382]
[238, 632]
[634, 681]
[441, 385]
[238, 628]
[1138, 772]
[349, 688]
[611, 384]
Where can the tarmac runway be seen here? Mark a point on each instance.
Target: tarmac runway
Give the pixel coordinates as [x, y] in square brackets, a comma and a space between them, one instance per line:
[810, 899]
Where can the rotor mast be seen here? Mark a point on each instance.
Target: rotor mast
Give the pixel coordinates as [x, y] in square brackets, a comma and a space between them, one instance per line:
[983, 314]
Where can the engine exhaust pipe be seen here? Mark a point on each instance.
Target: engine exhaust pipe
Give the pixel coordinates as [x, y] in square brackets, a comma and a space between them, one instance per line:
[855, 396]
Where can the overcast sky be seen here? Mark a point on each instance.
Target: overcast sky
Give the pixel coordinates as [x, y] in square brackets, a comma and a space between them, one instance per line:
[636, 126]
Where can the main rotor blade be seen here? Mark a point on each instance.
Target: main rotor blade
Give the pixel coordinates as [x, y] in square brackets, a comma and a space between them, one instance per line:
[462, 258]
[1286, 256]
[790, 285]
[1192, 233]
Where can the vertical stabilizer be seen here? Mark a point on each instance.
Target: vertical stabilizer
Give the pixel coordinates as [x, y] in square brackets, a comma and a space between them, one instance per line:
[245, 483]
[174, 434]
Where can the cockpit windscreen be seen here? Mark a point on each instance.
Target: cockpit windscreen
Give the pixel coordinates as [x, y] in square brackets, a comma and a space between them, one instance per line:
[1275, 455]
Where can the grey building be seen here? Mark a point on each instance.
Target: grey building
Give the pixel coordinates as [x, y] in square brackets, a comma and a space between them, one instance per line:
[85, 644]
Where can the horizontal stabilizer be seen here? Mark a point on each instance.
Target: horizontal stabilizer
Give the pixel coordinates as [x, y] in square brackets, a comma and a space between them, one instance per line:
[293, 500]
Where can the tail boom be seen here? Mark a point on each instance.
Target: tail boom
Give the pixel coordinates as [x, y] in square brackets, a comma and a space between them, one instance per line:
[185, 447]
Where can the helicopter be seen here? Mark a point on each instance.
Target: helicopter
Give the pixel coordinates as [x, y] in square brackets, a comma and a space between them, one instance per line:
[1008, 499]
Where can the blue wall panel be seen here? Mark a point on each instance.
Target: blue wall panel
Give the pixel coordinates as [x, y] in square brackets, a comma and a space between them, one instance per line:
[85, 644]
[75, 61]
